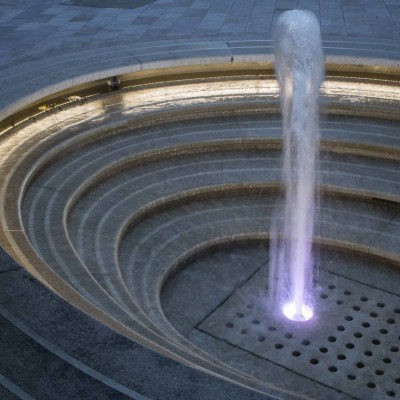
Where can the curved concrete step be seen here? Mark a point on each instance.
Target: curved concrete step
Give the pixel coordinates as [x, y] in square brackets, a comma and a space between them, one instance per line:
[79, 206]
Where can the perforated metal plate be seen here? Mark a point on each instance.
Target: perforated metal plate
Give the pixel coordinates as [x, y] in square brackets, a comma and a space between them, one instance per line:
[352, 344]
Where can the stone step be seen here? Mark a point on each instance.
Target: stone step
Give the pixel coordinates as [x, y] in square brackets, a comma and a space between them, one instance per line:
[63, 187]
[217, 176]
[78, 209]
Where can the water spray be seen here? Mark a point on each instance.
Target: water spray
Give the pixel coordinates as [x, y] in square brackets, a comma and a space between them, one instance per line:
[300, 70]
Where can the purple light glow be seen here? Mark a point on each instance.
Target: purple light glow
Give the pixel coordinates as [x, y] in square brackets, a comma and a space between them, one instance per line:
[292, 312]
[299, 65]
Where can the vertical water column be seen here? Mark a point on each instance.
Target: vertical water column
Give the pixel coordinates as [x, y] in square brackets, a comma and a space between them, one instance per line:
[300, 70]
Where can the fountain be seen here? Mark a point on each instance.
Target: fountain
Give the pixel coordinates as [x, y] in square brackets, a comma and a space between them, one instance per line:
[149, 208]
[300, 71]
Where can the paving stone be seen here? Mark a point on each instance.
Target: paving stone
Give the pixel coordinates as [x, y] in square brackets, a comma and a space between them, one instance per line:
[212, 22]
[192, 12]
[356, 20]
[72, 26]
[331, 7]
[52, 11]
[283, 5]
[29, 26]
[186, 26]
[259, 23]
[223, 6]
[378, 18]
[201, 4]
[333, 25]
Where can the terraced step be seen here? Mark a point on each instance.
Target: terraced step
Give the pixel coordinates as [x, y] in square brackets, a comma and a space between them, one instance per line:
[121, 193]
[116, 203]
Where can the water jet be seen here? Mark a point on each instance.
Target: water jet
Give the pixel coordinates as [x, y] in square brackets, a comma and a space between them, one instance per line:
[300, 70]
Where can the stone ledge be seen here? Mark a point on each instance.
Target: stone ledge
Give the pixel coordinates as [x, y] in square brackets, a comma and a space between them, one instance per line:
[29, 82]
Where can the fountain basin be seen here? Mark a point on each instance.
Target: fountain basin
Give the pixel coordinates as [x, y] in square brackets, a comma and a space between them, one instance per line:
[112, 199]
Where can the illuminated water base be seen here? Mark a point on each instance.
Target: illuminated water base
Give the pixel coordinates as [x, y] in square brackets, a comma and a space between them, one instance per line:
[291, 311]
[300, 71]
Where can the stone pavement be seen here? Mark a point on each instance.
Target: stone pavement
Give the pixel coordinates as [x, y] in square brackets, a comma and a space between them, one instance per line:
[38, 28]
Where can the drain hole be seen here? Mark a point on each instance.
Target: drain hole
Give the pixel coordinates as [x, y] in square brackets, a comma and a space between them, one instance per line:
[351, 377]
[314, 361]
[243, 331]
[373, 314]
[305, 342]
[391, 321]
[348, 318]
[255, 322]
[363, 298]
[347, 292]
[376, 342]
[350, 345]
[397, 310]
[390, 393]
[331, 287]
[358, 335]
[339, 302]
[360, 365]
[380, 305]
[240, 315]
[279, 346]
[366, 324]
[331, 339]
[371, 385]
[341, 357]
[332, 369]
[288, 335]
[384, 331]
[324, 296]
[397, 380]
[368, 353]
[261, 338]
[387, 360]
[356, 308]
[296, 354]
[323, 350]
[271, 328]
[340, 328]
[229, 325]
[394, 349]
[379, 372]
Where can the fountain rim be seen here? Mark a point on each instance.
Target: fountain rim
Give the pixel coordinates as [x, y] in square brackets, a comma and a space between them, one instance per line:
[34, 93]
